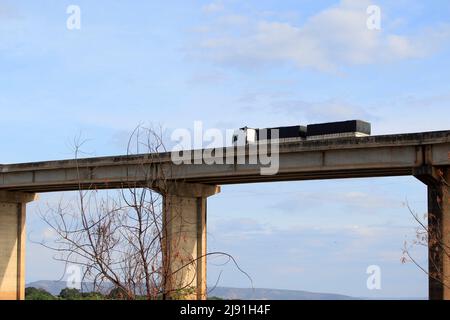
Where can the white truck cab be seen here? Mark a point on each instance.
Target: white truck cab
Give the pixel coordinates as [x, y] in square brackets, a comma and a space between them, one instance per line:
[244, 136]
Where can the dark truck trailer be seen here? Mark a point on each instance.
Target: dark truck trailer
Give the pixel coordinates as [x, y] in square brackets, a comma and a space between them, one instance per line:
[350, 128]
[329, 130]
[283, 133]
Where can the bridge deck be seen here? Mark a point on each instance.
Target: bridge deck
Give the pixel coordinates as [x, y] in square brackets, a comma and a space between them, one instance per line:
[374, 156]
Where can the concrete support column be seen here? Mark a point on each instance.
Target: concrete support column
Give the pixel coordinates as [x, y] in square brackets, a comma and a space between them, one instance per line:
[12, 244]
[184, 243]
[437, 181]
[439, 243]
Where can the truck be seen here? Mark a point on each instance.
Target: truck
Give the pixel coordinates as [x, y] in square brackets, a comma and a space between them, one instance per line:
[317, 131]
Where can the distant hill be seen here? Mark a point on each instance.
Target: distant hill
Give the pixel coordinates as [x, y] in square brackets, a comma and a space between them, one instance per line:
[55, 287]
[273, 294]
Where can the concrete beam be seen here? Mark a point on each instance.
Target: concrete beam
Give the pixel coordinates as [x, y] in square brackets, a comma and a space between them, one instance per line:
[12, 244]
[184, 241]
[376, 156]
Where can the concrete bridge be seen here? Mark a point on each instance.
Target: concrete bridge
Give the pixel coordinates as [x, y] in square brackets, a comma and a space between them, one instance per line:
[423, 155]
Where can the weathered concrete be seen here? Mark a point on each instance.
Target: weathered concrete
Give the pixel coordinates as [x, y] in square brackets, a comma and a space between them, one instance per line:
[437, 181]
[12, 244]
[184, 248]
[376, 156]
[185, 204]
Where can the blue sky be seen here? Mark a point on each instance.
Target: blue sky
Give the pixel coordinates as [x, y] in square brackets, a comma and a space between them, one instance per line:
[232, 63]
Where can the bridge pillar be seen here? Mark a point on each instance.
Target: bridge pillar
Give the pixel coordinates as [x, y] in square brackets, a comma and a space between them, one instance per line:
[12, 244]
[184, 240]
[438, 183]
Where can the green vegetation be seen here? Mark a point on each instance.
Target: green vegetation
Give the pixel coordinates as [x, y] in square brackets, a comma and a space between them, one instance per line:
[116, 294]
[38, 294]
[70, 294]
[32, 293]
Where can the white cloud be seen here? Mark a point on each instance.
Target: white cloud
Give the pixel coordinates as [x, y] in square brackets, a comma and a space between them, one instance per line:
[48, 234]
[6, 10]
[369, 200]
[233, 20]
[335, 37]
[207, 78]
[321, 110]
[291, 270]
[239, 229]
[291, 105]
[213, 7]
